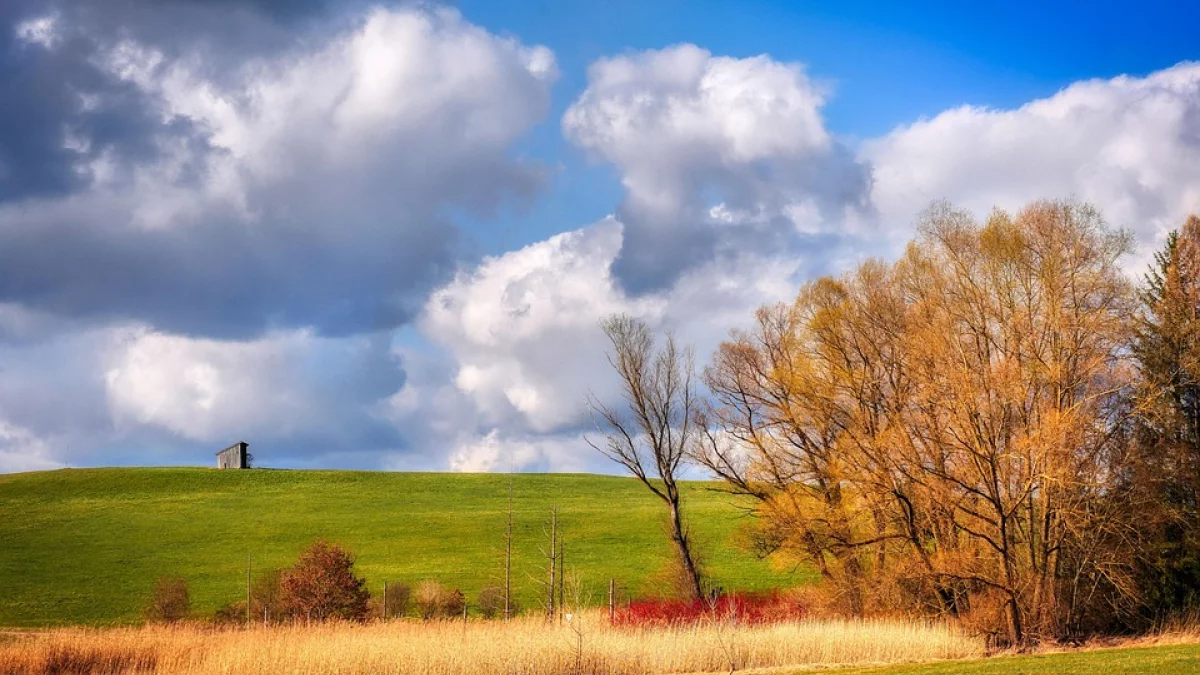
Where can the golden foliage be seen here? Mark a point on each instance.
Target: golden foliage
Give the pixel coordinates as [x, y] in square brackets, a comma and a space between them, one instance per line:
[935, 433]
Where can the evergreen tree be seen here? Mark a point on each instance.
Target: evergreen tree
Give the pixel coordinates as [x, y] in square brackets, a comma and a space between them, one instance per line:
[1166, 470]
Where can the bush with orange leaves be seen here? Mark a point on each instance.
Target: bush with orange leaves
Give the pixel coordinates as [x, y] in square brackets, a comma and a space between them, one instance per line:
[322, 586]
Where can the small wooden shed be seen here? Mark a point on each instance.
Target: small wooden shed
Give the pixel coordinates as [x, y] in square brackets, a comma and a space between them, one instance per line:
[236, 456]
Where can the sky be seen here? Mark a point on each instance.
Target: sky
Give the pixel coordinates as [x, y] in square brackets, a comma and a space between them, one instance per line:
[383, 235]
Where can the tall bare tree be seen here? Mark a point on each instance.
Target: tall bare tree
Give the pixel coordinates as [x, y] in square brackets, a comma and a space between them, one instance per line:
[652, 436]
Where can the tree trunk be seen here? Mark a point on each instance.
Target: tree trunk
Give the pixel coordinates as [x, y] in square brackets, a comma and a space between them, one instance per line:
[695, 584]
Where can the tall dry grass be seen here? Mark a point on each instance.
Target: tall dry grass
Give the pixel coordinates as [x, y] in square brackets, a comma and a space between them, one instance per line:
[524, 646]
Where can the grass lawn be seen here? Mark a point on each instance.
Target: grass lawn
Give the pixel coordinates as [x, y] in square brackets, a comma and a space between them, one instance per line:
[1172, 660]
[84, 545]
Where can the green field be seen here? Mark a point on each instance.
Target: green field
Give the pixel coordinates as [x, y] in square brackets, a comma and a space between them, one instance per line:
[84, 545]
[1174, 660]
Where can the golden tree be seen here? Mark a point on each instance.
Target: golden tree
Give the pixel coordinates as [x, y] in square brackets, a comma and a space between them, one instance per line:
[949, 422]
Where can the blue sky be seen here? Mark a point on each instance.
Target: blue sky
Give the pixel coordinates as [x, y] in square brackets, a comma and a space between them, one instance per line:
[886, 63]
[382, 235]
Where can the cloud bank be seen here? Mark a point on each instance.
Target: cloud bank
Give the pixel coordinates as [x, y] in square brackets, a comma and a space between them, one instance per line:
[250, 228]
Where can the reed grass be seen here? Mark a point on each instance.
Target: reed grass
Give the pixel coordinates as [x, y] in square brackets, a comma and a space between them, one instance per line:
[586, 644]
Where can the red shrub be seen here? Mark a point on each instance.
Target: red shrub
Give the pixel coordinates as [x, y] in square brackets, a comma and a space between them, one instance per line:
[745, 608]
[322, 586]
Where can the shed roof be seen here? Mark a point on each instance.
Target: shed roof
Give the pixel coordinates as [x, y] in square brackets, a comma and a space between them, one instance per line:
[235, 445]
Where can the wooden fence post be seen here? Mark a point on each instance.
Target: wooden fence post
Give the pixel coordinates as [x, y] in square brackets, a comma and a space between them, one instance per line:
[249, 564]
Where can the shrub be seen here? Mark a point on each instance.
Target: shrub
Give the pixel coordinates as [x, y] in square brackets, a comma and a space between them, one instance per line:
[744, 608]
[232, 614]
[454, 604]
[266, 597]
[491, 602]
[434, 601]
[429, 599]
[169, 602]
[322, 586]
[397, 602]
[673, 581]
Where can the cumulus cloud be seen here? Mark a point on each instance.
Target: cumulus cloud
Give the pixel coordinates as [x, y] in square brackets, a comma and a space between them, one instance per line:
[22, 451]
[717, 156]
[524, 327]
[494, 452]
[1130, 145]
[308, 188]
[227, 215]
[238, 205]
[734, 190]
[128, 394]
[525, 348]
[290, 386]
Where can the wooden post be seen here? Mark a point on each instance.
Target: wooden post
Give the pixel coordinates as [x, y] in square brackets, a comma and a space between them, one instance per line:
[249, 564]
[612, 600]
[508, 542]
[562, 579]
[385, 599]
[550, 609]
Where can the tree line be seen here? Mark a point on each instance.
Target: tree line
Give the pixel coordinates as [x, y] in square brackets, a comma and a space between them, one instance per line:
[999, 426]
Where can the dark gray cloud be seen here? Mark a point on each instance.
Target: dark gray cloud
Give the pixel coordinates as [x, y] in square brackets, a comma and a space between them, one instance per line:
[213, 213]
[222, 168]
[60, 93]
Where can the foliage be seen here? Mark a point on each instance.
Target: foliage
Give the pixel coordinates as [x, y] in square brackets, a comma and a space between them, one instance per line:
[435, 601]
[232, 614]
[169, 601]
[397, 602]
[322, 586]
[491, 602]
[943, 433]
[1164, 476]
[739, 608]
[454, 604]
[266, 596]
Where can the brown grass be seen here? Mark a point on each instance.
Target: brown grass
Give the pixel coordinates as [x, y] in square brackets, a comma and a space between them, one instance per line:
[519, 647]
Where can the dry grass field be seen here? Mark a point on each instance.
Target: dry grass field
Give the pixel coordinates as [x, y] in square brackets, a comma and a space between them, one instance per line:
[524, 646]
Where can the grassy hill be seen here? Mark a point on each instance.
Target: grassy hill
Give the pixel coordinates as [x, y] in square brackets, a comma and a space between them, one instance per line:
[84, 545]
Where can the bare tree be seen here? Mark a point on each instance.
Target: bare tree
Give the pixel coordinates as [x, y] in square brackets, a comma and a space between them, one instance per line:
[652, 437]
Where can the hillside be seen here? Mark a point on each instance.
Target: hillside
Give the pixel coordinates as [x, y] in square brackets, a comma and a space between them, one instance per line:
[84, 545]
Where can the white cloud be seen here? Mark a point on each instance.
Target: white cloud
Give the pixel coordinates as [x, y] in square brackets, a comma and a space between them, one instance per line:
[494, 452]
[524, 327]
[271, 387]
[232, 265]
[523, 336]
[1130, 145]
[39, 30]
[302, 212]
[21, 450]
[718, 156]
[667, 118]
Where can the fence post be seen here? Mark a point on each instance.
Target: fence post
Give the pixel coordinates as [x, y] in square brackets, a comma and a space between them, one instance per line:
[612, 600]
[249, 564]
[385, 599]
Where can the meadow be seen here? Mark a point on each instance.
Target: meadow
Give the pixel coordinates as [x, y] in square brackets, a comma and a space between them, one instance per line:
[83, 546]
